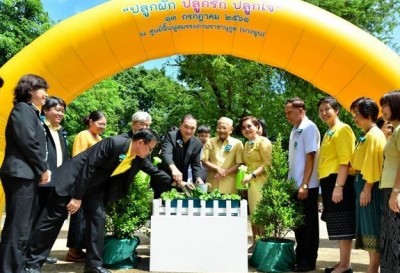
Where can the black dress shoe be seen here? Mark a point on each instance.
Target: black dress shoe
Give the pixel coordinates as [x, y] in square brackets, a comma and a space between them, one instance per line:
[32, 270]
[51, 260]
[330, 269]
[303, 268]
[97, 270]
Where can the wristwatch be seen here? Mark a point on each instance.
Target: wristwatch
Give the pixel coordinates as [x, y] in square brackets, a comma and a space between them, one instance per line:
[304, 186]
[338, 185]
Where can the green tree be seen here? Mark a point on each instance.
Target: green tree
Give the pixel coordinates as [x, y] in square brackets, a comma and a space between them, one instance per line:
[103, 96]
[20, 23]
[234, 87]
[152, 91]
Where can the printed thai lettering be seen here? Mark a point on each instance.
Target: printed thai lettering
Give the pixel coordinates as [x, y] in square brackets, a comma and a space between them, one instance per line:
[236, 18]
[247, 8]
[170, 18]
[252, 32]
[146, 10]
[197, 5]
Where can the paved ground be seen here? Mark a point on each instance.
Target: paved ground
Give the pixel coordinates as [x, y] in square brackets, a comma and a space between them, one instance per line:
[328, 255]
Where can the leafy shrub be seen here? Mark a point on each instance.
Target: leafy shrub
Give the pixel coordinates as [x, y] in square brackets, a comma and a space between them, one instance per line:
[128, 215]
[278, 211]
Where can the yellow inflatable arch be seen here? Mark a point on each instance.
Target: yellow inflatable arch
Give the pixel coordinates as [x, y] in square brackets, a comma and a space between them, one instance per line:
[319, 47]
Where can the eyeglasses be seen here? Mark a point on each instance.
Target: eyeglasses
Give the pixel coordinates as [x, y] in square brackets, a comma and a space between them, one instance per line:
[248, 126]
[355, 114]
[150, 148]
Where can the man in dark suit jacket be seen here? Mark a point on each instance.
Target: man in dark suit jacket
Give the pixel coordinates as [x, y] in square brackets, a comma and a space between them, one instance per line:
[57, 150]
[181, 149]
[104, 171]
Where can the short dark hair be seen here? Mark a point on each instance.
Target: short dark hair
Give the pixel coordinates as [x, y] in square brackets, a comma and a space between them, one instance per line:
[380, 122]
[392, 99]
[296, 103]
[204, 129]
[331, 101]
[147, 135]
[188, 116]
[253, 120]
[27, 83]
[94, 115]
[367, 108]
[53, 101]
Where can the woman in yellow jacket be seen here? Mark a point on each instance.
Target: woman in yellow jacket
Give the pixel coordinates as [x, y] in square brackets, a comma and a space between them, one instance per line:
[336, 185]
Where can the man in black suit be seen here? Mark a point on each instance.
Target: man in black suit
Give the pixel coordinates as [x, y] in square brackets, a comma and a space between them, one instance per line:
[181, 149]
[57, 150]
[103, 172]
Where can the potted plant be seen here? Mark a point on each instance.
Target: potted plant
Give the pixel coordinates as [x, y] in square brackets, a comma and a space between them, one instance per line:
[277, 212]
[198, 194]
[123, 219]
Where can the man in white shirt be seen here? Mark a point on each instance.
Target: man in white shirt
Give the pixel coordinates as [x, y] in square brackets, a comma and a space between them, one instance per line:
[304, 146]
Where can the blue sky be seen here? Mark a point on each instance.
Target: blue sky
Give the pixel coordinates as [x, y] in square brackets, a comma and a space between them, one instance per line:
[61, 9]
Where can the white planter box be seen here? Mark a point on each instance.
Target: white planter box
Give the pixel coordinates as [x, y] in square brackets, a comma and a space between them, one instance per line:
[198, 239]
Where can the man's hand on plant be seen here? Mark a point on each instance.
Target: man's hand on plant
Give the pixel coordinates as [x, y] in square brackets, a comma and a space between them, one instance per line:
[176, 174]
[74, 205]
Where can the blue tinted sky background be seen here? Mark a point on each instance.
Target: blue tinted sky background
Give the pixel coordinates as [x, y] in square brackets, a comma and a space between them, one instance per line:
[62, 9]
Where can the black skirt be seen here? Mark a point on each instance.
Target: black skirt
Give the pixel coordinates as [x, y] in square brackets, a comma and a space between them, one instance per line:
[340, 217]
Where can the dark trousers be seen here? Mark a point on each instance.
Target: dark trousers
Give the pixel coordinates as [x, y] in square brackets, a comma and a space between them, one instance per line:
[159, 187]
[21, 206]
[47, 229]
[307, 235]
[51, 221]
[76, 230]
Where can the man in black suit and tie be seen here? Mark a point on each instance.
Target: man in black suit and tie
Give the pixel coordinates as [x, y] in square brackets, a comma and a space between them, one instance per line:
[181, 149]
[103, 172]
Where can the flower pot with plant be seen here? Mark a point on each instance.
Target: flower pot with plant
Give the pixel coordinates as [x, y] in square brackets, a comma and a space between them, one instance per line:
[123, 219]
[277, 212]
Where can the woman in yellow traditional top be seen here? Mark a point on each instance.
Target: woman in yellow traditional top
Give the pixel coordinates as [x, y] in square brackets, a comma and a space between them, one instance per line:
[257, 156]
[390, 186]
[336, 185]
[96, 123]
[368, 161]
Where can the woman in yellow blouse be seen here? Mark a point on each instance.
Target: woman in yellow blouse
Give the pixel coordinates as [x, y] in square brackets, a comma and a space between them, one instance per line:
[257, 156]
[336, 185]
[390, 186]
[367, 161]
[96, 123]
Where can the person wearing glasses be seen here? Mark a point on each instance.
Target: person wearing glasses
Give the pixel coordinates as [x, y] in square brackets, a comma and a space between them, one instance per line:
[257, 157]
[102, 172]
[367, 160]
[96, 123]
[181, 149]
